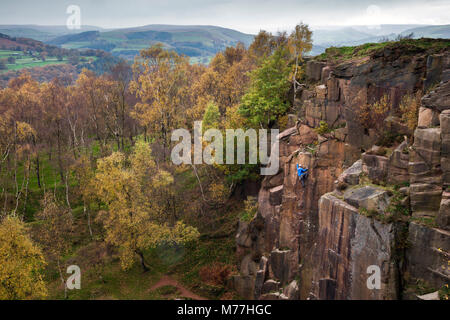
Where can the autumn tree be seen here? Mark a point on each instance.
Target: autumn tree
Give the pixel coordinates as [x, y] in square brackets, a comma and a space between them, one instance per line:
[226, 80]
[121, 75]
[16, 136]
[53, 98]
[106, 102]
[91, 91]
[54, 230]
[299, 43]
[263, 44]
[84, 176]
[161, 77]
[21, 263]
[134, 190]
[17, 104]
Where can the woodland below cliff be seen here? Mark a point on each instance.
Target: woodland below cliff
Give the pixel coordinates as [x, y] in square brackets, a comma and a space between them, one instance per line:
[86, 177]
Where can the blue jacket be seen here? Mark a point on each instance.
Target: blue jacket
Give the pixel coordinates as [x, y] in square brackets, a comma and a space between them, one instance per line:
[301, 171]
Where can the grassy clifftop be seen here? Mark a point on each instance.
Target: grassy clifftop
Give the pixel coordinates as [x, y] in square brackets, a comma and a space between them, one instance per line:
[407, 46]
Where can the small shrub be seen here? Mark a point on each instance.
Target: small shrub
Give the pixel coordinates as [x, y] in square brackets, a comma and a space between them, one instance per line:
[372, 116]
[368, 213]
[389, 138]
[283, 122]
[426, 221]
[323, 128]
[409, 108]
[251, 207]
[219, 193]
[216, 273]
[422, 287]
[444, 292]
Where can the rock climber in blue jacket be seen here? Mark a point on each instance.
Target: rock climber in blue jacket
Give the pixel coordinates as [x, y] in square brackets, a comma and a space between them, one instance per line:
[302, 174]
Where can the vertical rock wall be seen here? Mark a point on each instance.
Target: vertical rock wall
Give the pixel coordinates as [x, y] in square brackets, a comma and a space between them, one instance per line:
[308, 243]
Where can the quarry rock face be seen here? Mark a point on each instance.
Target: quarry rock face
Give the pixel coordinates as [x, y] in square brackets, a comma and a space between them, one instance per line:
[425, 172]
[428, 254]
[314, 70]
[438, 66]
[352, 174]
[369, 198]
[439, 98]
[443, 216]
[362, 207]
[445, 148]
[427, 118]
[376, 167]
[398, 165]
[292, 291]
[347, 251]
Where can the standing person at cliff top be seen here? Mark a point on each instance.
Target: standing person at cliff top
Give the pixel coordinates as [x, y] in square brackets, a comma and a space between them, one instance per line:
[302, 174]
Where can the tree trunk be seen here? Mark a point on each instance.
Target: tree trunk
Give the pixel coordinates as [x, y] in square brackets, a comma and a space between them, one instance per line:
[199, 182]
[88, 217]
[141, 257]
[62, 279]
[26, 186]
[61, 171]
[38, 174]
[67, 192]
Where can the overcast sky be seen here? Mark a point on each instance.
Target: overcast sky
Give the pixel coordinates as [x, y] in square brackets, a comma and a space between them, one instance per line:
[244, 15]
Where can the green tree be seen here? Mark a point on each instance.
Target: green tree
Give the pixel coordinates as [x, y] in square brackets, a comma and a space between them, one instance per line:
[266, 99]
[211, 118]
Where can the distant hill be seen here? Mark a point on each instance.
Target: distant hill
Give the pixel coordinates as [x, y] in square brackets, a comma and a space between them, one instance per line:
[193, 41]
[324, 37]
[42, 33]
[430, 32]
[78, 37]
[15, 43]
[203, 42]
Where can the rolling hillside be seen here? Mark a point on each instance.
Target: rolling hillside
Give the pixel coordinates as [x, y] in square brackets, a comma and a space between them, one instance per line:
[41, 33]
[200, 42]
[430, 31]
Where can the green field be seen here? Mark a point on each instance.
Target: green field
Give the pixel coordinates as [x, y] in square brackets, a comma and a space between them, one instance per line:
[28, 61]
[7, 53]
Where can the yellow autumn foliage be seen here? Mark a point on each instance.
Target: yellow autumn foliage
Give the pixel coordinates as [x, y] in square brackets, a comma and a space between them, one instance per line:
[21, 263]
[134, 190]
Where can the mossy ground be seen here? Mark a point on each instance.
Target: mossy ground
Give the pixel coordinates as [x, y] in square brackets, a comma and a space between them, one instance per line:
[407, 45]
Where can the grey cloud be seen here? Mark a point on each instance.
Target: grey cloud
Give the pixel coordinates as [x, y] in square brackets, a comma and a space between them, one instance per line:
[248, 16]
